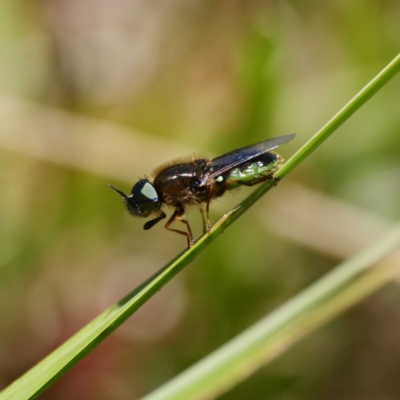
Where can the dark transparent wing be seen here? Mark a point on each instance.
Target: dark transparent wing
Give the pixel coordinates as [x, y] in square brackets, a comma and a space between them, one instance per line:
[230, 160]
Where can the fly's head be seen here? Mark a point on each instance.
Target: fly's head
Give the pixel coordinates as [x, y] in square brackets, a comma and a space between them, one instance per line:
[143, 199]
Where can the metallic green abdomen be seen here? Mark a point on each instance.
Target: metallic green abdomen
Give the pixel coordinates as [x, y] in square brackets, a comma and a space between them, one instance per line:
[260, 169]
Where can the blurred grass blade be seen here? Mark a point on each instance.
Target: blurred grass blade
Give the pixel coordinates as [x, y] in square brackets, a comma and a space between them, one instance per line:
[343, 115]
[57, 363]
[347, 284]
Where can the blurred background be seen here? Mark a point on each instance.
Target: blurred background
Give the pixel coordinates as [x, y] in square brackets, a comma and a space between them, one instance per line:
[97, 92]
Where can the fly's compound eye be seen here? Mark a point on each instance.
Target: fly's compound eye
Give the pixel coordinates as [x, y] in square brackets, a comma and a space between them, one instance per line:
[145, 198]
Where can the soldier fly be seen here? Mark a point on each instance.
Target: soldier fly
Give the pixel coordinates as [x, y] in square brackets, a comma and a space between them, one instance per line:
[183, 183]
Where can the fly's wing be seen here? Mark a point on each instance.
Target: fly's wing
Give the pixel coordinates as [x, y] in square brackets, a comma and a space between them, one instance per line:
[230, 160]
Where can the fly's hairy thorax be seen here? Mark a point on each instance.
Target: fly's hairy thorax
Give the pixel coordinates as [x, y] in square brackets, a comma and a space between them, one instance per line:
[176, 183]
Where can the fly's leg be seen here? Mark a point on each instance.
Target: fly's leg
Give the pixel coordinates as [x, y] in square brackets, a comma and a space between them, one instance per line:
[210, 191]
[149, 224]
[217, 192]
[203, 220]
[177, 216]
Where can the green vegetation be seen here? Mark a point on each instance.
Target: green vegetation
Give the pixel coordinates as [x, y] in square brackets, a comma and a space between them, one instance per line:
[73, 103]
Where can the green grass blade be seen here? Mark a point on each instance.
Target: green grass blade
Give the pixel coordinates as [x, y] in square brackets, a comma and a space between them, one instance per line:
[347, 284]
[57, 363]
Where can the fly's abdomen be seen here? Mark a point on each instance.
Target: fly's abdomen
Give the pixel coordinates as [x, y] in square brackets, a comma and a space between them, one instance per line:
[261, 167]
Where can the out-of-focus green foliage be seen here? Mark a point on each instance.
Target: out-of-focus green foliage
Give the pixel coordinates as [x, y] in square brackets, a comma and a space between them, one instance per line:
[96, 92]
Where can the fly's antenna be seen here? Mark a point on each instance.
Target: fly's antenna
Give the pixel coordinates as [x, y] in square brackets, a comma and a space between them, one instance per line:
[118, 191]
